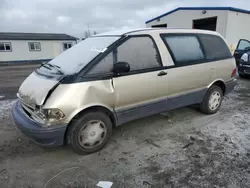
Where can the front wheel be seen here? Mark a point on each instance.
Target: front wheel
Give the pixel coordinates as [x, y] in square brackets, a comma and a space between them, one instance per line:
[90, 132]
[212, 100]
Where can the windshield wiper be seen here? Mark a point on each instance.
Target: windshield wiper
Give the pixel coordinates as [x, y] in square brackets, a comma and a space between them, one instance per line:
[46, 67]
[54, 66]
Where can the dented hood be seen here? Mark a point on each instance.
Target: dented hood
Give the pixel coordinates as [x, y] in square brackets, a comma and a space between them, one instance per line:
[35, 88]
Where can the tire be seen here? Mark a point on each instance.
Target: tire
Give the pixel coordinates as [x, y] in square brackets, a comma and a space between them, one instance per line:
[95, 129]
[210, 105]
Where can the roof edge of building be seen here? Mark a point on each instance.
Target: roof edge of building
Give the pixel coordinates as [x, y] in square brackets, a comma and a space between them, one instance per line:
[199, 8]
[35, 36]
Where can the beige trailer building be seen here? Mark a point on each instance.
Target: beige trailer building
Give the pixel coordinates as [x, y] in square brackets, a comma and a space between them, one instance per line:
[33, 47]
[231, 23]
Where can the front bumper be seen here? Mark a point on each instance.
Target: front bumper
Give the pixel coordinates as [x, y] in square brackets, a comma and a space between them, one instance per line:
[47, 137]
[244, 69]
[230, 85]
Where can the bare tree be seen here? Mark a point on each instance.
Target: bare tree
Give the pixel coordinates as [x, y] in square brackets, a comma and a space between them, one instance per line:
[86, 34]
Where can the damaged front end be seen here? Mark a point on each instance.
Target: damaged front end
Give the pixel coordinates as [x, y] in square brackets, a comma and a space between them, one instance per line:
[30, 116]
[45, 117]
[32, 96]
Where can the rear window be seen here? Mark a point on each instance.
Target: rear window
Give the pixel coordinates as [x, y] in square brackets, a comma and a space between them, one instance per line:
[185, 49]
[215, 47]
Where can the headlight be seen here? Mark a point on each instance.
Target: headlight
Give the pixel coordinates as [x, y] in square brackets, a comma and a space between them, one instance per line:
[52, 113]
[49, 116]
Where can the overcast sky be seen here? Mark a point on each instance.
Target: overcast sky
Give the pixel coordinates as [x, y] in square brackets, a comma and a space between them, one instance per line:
[74, 16]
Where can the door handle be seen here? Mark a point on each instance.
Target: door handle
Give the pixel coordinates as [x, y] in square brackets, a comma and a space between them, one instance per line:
[162, 73]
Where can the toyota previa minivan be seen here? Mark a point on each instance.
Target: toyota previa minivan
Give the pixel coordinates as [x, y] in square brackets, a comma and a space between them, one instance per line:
[116, 77]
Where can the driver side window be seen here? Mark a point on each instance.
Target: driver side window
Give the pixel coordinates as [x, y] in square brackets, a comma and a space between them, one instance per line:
[139, 52]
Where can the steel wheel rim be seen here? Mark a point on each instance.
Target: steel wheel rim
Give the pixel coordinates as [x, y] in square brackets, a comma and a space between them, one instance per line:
[214, 101]
[92, 134]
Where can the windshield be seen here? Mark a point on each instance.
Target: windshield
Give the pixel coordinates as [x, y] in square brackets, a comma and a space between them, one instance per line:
[77, 57]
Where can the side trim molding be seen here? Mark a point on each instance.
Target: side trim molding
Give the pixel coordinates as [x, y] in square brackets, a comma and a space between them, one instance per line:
[129, 114]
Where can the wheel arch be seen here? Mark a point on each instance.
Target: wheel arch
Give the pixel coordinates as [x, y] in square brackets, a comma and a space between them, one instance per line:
[204, 106]
[219, 83]
[99, 108]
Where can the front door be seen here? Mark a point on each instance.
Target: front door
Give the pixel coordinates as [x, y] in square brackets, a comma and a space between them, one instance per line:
[143, 90]
[242, 47]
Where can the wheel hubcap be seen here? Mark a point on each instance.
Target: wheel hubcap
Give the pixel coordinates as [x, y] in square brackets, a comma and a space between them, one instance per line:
[214, 100]
[92, 134]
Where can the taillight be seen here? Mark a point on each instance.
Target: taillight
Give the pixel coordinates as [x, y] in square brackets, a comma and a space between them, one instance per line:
[234, 73]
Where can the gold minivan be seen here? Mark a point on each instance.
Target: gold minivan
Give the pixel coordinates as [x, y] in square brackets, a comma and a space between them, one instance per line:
[116, 77]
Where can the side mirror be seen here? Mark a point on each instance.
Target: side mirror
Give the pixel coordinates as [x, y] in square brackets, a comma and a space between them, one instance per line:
[121, 67]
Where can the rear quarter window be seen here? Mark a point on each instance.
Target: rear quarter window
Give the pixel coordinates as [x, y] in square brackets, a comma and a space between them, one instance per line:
[214, 47]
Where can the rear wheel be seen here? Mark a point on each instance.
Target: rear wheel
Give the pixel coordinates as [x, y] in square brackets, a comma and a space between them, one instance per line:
[212, 100]
[90, 133]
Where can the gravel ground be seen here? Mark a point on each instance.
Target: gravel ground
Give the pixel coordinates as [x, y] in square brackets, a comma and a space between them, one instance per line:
[180, 148]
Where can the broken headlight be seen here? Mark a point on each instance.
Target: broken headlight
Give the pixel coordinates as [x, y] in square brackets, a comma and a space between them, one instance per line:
[49, 116]
[53, 113]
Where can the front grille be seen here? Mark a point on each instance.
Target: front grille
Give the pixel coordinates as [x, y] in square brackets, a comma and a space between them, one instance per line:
[247, 71]
[30, 112]
[27, 105]
[244, 65]
[27, 109]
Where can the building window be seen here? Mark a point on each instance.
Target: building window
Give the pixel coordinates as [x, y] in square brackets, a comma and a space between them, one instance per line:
[5, 47]
[34, 46]
[67, 45]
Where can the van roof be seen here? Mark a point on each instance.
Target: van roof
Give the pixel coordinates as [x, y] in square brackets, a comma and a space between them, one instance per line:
[154, 30]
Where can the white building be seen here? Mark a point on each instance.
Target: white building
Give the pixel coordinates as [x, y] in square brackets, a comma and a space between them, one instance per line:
[232, 23]
[33, 47]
